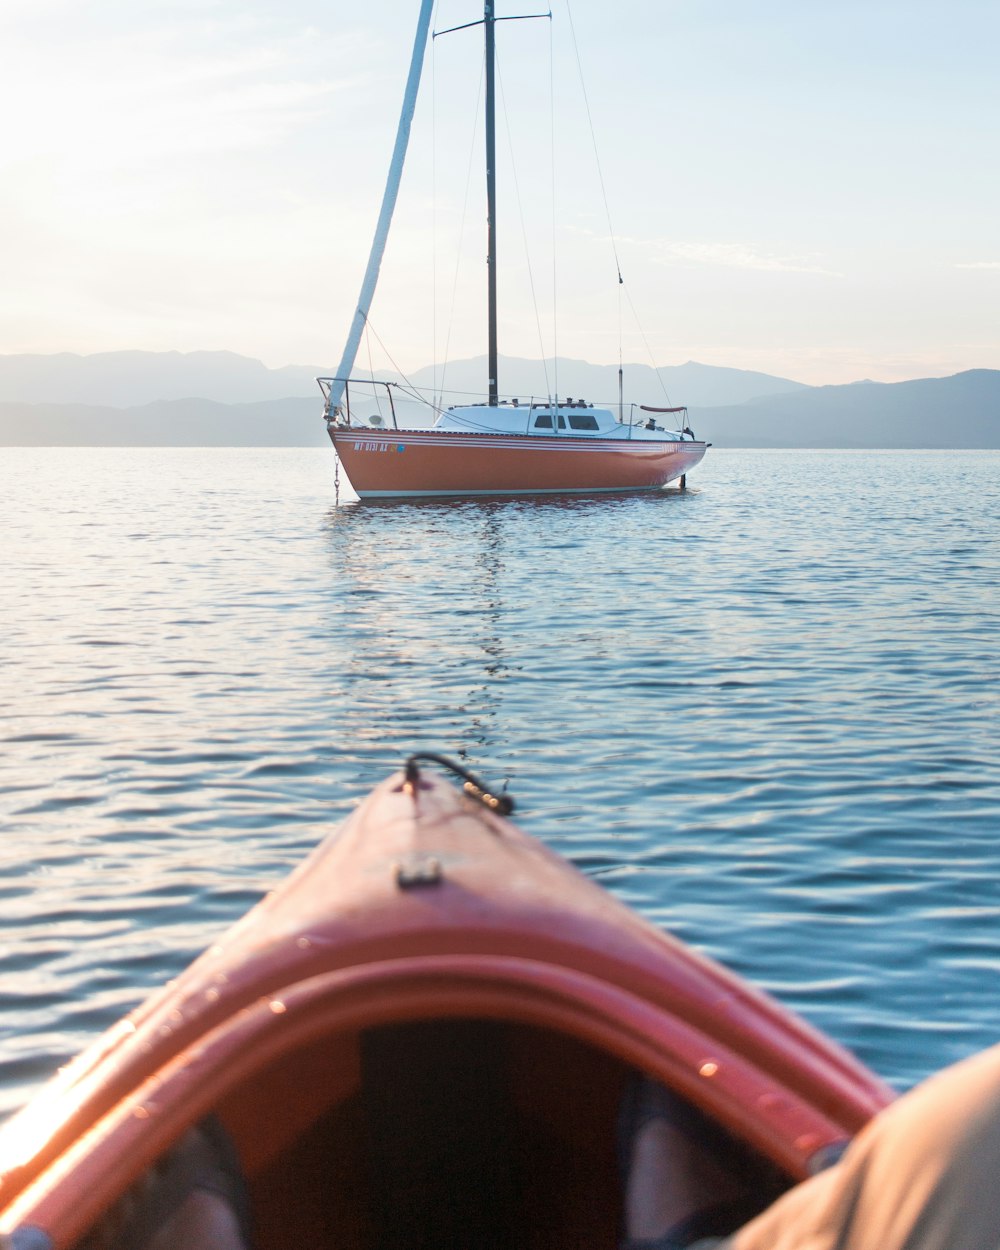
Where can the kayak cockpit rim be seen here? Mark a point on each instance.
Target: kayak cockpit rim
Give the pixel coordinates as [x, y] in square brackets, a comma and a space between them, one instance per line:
[249, 1048]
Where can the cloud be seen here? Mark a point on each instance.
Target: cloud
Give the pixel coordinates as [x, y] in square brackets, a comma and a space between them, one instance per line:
[726, 256]
[736, 256]
[104, 98]
[978, 264]
[167, 181]
[717, 255]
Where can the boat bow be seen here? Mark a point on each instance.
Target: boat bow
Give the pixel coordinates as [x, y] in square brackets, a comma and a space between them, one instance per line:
[423, 906]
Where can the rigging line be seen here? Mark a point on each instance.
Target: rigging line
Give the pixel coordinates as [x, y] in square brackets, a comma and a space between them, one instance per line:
[371, 370]
[649, 352]
[520, 210]
[604, 195]
[554, 395]
[413, 387]
[477, 394]
[461, 229]
[418, 395]
[621, 353]
[620, 349]
[593, 140]
[607, 211]
[434, 219]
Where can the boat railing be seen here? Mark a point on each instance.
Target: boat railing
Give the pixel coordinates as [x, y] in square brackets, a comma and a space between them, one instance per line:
[341, 414]
[640, 416]
[649, 423]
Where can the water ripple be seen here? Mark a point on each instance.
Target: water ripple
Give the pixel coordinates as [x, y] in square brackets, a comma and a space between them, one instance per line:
[763, 712]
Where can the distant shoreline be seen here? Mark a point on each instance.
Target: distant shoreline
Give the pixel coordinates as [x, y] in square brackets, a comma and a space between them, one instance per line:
[148, 399]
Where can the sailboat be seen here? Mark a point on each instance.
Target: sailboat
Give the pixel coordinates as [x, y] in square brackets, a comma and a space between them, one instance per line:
[507, 445]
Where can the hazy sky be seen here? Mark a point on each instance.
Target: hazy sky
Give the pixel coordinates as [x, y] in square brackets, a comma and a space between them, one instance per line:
[807, 189]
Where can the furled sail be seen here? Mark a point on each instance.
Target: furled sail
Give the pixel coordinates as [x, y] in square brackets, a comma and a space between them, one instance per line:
[388, 205]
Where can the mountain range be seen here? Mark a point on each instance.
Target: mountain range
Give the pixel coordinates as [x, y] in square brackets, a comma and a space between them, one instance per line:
[224, 399]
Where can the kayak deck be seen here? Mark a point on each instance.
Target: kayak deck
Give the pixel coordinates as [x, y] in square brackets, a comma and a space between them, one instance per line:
[431, 1021]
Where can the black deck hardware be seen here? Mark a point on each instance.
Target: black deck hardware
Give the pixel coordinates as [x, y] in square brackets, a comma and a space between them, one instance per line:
[502, 804]
[417, 873]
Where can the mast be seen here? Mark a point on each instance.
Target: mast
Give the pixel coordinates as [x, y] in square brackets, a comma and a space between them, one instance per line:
[385, 216]
[491, 200]
[392, 188]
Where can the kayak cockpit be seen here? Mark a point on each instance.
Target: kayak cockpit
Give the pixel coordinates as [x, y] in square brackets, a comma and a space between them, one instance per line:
[404, 1136]
[441, 1133]
[451, 1133]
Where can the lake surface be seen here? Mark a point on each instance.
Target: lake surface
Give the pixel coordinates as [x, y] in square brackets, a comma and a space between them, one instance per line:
[765, 713]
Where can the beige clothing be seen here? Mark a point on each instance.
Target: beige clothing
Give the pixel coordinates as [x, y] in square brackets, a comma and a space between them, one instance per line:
[923, 1175]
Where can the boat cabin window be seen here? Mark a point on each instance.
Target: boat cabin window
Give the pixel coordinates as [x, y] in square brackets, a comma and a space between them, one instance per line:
[582, 421]
[544, 422]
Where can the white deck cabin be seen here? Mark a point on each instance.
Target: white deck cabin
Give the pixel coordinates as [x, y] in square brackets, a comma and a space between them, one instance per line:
[574, 418]
[571, 417]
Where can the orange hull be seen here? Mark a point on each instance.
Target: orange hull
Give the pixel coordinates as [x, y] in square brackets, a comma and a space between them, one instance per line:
[413, 463]
[427, 936]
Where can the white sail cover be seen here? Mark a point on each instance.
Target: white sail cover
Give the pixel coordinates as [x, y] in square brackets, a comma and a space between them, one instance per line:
[388, 205]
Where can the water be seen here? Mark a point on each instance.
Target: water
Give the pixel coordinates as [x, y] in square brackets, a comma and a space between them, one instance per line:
[765, 713]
